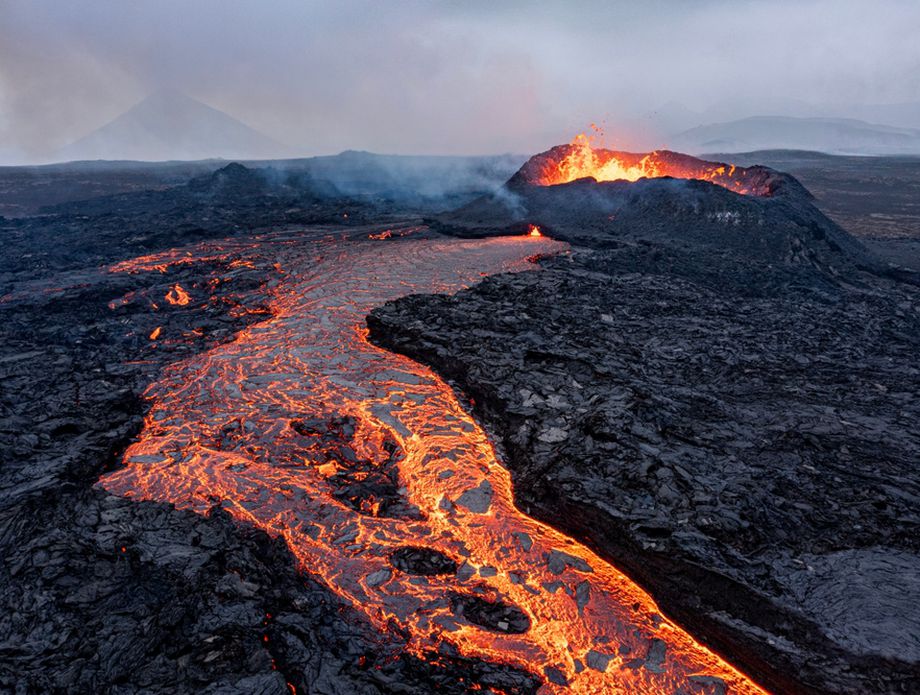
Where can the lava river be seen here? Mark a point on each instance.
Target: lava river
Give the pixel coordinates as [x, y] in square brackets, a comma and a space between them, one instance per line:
[383, 485]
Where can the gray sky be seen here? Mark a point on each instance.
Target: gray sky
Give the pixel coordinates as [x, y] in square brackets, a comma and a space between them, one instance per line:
[443, 77]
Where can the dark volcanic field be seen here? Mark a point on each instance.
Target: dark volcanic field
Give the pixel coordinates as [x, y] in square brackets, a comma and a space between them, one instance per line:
[718, 393]
[103, 594]
[871, 197]
[874, 198]
[750, 460]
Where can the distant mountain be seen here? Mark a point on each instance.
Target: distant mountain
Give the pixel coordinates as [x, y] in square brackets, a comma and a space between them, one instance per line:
[905, 114]
[169, 125]
[834, 135]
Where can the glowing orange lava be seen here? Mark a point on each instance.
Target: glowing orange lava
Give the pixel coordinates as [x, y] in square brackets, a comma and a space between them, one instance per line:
[534, 230]
[178, 296]
[581, 159]
[272, 425]
[155, 333]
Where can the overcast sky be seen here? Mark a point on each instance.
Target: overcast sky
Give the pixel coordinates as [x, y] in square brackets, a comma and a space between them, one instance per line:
[442, 77]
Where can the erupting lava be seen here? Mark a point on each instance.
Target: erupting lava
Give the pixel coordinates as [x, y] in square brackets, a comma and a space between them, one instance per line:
[534, 230]
[383, 485]
[580, 159]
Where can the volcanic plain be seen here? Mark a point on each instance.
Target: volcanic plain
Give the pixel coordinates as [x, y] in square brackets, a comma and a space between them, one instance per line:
[662, 439]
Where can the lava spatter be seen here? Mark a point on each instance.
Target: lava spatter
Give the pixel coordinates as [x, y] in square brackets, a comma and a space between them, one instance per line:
[383, 485]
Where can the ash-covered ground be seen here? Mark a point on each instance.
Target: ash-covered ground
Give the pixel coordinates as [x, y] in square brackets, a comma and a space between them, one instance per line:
[717, 392]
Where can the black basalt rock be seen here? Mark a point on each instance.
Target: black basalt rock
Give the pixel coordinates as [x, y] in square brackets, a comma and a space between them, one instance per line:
[737, 436]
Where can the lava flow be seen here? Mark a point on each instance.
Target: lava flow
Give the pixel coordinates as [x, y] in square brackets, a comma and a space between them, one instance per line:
[178, 296]
[580, 159]
[384, 486]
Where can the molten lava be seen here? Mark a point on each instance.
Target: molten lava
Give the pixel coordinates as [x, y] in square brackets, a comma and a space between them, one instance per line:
[534, 230]
[365, 461]
[580, 159]
[178, 296]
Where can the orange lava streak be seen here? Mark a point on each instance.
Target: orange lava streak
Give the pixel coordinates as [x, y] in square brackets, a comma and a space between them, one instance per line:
[221, 431]
[534, 230]
[178, 296]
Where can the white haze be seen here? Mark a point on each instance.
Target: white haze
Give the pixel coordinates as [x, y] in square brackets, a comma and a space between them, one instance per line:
[453, 77]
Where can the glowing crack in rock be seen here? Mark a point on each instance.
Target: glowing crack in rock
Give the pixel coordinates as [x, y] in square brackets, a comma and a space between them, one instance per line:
[178, 296]
[359, 457]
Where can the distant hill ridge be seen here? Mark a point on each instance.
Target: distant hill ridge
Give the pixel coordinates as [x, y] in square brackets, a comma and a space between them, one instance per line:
[833, 135]
[169, 125]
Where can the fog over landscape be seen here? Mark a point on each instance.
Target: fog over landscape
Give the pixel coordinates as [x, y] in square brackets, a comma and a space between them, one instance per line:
[461, 78]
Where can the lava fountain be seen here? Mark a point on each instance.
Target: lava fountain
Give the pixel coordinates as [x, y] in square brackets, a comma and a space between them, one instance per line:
[366, 462]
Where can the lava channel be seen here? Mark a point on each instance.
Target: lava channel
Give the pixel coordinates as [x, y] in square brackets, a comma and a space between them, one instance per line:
[384, 486]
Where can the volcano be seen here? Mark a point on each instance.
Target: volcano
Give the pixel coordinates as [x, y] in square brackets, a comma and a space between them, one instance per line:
[579, 160]
[598, 198]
